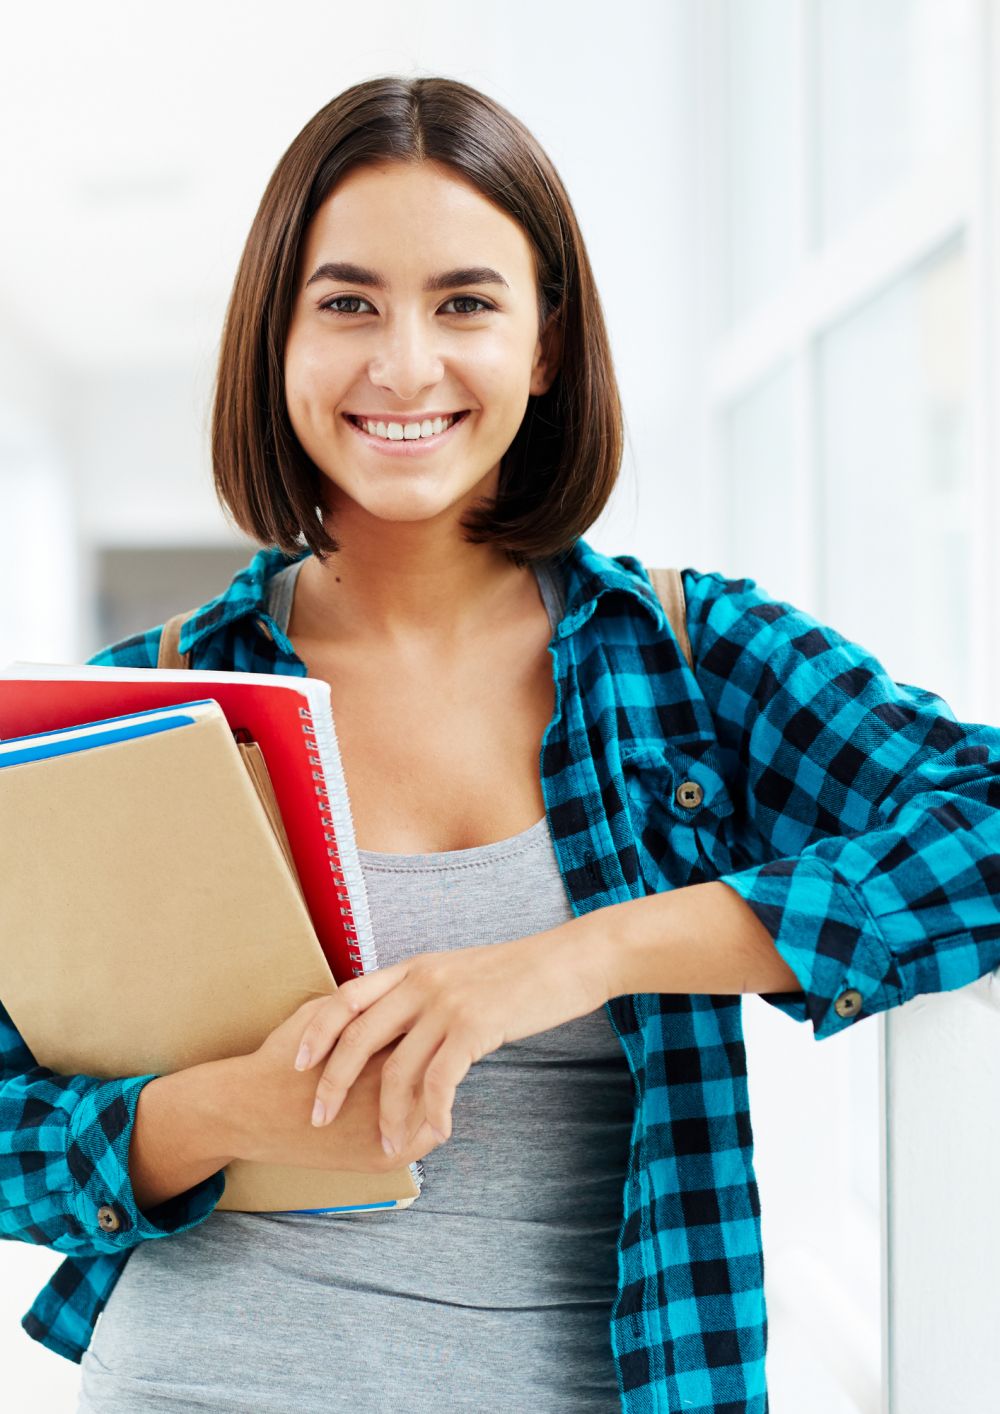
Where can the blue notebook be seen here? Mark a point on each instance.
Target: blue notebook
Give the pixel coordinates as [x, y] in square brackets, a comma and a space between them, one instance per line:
[17, 750]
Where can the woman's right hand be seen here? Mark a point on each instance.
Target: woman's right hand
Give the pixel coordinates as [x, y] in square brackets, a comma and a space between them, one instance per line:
[271, 1110]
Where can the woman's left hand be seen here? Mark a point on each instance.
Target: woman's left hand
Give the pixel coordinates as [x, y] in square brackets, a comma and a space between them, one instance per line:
[452, 1008]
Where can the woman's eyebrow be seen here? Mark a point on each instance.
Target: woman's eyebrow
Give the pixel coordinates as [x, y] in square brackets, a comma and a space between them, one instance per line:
[359, 275]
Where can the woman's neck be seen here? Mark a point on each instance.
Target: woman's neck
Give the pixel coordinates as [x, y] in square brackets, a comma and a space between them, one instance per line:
[399, 596]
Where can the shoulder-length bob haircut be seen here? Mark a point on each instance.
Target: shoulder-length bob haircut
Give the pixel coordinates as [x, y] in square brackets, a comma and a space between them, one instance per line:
[560, 469]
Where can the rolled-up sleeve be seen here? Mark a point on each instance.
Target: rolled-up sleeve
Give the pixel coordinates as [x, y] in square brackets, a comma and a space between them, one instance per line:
[872, 813]
[64, 1150]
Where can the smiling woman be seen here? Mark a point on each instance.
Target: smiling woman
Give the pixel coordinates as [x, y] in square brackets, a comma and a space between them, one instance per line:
[415, 380]
[431, 263]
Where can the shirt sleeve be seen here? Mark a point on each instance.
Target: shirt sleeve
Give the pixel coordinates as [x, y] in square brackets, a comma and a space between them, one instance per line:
[64, 1143]
[140, 650]
[64, 1139]
[872, 812]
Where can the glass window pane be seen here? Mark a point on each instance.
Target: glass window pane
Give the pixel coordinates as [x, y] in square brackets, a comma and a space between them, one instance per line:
[761, 461]
[894, 395]
[760, 149]
[893, 92]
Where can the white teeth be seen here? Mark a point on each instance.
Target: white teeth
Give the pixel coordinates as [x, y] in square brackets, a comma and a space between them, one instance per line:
[410, 431]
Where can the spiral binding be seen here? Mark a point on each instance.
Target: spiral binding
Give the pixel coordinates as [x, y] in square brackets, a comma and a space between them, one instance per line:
[345, 867]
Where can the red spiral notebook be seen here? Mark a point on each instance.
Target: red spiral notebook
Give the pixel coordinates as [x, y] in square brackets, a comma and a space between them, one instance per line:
[291, 720]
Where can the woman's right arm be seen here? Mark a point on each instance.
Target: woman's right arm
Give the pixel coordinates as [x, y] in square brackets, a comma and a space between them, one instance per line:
[193, 1122]
[89, 1165]
[145, 1154]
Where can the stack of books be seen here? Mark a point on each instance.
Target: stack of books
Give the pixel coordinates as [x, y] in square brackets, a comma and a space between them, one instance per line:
[180, 875]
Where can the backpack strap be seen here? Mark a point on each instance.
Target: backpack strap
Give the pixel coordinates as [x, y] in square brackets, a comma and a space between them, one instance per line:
[670, 589]
[169, 657]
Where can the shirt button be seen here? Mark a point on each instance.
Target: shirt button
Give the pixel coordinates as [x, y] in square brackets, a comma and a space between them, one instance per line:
[848, 1003]
[689, 794]
[108, 1218]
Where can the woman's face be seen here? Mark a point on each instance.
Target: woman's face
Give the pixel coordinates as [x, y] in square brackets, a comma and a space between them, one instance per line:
[380, 342]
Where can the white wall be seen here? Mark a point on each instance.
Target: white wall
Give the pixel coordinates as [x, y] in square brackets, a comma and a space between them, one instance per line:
[39, 570]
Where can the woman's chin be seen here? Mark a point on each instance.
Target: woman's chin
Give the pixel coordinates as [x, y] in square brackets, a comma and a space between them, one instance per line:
[407, 496]
[399, 507]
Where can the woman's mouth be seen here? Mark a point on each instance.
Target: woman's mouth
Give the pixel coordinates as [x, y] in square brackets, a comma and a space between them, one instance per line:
[402, 446]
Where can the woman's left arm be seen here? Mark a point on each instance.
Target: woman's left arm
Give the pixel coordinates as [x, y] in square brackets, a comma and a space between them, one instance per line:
[702, 938]
[874, 817]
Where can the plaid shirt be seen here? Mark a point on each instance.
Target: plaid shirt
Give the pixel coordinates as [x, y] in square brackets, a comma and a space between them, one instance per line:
[855, 815]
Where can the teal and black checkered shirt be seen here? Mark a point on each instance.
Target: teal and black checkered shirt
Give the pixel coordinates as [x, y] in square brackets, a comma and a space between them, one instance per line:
[855, 815]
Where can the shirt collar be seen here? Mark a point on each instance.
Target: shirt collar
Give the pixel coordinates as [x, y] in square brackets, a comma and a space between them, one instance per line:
[246, 596]
[587, 575]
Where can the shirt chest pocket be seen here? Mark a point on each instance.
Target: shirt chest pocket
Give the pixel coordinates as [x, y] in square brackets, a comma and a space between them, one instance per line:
[681, 810]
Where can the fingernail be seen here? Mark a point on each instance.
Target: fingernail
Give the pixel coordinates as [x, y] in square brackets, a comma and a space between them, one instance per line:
[388, 1146]
[302, 1059]
[319, 1113]
[437, 1135]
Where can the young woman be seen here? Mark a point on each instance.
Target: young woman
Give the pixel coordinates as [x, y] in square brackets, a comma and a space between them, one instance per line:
[579, 850]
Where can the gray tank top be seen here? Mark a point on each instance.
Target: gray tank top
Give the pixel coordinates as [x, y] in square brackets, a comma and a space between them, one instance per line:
[492, 1291]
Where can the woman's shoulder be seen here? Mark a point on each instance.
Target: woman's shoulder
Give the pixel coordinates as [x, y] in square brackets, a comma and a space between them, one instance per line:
[249, 591]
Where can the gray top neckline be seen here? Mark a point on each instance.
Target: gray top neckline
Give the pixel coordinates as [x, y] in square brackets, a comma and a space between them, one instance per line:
[281, 591]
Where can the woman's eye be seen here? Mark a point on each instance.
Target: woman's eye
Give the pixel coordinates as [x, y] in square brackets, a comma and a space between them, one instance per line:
[340, 299]
[469, 299]
[482, 304]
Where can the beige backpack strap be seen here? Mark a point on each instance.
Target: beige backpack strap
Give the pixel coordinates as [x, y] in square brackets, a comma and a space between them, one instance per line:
[169, 657]
[670, 588]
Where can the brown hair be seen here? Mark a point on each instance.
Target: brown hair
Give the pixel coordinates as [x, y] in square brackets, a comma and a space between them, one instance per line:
[560, 469]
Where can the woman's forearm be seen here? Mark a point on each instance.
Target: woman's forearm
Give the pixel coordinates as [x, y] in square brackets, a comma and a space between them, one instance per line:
[704, 938]
[180, 1127]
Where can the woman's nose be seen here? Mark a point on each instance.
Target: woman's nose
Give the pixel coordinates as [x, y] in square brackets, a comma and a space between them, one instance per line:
[408, 358]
